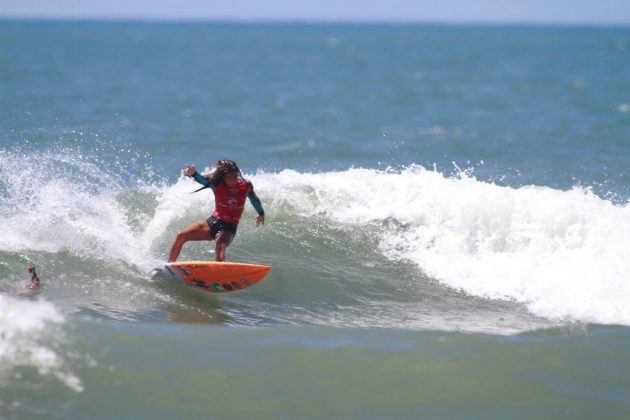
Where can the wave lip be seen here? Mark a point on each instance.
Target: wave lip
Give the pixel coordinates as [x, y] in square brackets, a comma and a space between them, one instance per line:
[564, 254]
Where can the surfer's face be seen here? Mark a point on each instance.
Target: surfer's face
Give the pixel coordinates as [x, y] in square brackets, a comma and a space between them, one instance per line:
[230, 179]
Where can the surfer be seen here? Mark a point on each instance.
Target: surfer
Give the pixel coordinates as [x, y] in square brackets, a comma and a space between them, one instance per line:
[230, 191]
[34, 284]
[32, 287]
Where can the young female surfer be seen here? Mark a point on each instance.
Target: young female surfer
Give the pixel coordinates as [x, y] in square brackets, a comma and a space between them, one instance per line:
[230, 191]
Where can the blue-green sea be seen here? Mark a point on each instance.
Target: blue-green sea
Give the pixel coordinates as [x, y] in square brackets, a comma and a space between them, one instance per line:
[447, 217]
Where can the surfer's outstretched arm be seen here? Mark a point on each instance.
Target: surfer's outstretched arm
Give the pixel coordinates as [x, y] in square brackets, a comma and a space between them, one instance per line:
[200, 179]
[191, 171]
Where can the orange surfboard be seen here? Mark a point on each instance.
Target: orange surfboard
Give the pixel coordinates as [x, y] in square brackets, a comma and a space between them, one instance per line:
[217, 277]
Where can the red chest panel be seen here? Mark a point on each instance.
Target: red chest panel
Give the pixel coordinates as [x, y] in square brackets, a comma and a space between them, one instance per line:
[230, 202]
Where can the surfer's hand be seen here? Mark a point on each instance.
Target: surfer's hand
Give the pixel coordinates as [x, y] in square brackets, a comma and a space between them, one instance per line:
[260, 219]
[189, 170]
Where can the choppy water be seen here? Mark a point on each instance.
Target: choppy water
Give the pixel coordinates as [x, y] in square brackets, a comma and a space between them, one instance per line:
[447, 220]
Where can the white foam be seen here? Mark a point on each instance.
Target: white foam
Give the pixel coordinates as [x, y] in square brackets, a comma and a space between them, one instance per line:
[53, 211]
[565, 254]
[27, 339]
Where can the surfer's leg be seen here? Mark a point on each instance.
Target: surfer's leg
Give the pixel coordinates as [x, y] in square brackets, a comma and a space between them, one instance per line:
[223, 240]
[199, 231]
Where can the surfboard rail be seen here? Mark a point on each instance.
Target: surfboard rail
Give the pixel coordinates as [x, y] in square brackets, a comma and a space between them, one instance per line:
[217, 277]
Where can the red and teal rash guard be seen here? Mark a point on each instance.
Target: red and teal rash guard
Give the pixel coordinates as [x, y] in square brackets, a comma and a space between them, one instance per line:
[230, 202]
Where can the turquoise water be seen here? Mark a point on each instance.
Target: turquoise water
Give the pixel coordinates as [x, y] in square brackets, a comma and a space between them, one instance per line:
[446, 207]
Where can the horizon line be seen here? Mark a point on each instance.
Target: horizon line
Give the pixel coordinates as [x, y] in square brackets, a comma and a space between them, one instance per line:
[313, 21]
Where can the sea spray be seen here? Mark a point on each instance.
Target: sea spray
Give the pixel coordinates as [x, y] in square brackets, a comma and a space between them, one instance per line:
[67, 202]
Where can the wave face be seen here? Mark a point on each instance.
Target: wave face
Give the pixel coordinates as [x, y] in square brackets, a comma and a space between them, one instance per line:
[354, 247]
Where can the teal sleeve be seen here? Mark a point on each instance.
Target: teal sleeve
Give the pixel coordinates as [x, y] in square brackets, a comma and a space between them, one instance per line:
[203, 180]
[200, 179]
[253, 198]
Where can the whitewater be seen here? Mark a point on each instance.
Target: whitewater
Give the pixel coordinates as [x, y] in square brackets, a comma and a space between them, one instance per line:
[562, 254]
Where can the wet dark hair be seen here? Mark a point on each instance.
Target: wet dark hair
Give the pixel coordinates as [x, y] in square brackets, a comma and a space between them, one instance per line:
[222, 168]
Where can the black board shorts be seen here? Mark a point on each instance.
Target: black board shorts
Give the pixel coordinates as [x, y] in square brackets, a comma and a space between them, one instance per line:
[217, 226]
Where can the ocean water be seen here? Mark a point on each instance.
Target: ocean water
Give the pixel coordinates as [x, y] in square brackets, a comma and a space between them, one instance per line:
[447, 220]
